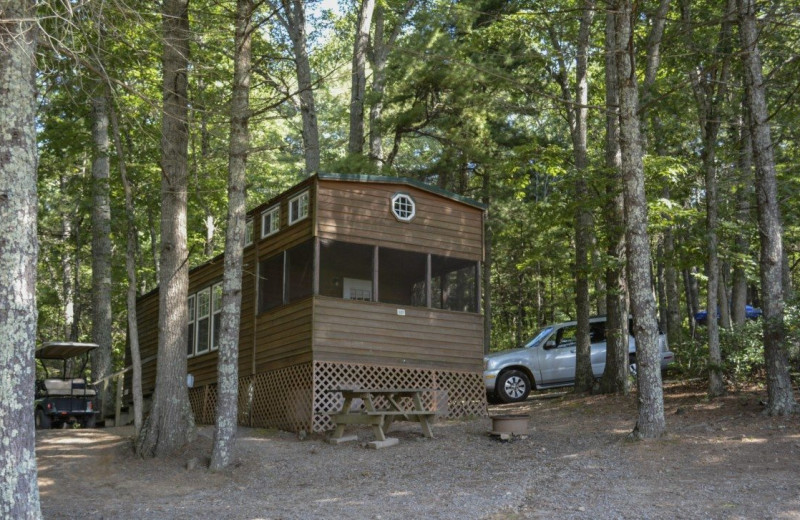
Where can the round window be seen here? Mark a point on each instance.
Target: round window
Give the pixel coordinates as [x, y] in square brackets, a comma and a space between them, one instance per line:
[403, 207]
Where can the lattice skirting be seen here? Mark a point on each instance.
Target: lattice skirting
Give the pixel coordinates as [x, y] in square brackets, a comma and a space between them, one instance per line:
[275, 399]
[298, 398]
[454, 394]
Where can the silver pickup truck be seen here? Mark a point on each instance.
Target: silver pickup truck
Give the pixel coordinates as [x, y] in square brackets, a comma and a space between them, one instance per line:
[548, 360]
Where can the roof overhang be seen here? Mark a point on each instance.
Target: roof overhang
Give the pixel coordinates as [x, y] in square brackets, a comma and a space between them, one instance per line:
[63, 349]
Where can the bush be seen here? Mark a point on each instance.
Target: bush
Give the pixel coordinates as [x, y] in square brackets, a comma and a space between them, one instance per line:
[743, 351]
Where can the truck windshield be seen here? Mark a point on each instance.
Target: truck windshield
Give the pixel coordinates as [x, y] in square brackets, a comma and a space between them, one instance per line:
[540, 337]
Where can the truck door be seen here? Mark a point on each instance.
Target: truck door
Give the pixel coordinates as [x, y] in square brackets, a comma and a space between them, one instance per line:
[597, 338]
[558, 363]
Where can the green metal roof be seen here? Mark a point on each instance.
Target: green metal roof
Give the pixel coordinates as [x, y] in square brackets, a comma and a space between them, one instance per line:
[385, 179]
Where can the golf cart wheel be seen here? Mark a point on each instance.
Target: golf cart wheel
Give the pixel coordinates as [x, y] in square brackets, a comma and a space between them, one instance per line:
[89, 421]
[513, 386]
[42, 420]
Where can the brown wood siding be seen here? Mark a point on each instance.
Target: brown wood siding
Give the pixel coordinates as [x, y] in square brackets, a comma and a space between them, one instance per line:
[206, 274]
[147, 320]
[361, 213]
[246, 331]
[283, 336]
[368, 332]
[204, 366]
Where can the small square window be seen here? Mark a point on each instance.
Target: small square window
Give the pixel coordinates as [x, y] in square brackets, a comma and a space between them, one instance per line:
[298, 208]
[403, 207]
[271, 221]
[248, 232]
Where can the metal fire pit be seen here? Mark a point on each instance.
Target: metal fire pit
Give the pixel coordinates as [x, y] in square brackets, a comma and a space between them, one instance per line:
[507, 425]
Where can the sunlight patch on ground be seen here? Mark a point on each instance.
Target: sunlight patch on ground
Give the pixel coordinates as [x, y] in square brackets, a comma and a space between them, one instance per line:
[717, 405]
[754, 440]
[69, 456]
[72, 439]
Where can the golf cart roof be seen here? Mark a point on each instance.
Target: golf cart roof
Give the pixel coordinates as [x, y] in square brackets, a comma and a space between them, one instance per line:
[63, 349]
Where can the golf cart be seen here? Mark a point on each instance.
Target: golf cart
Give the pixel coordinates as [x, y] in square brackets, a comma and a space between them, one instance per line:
[68, 400]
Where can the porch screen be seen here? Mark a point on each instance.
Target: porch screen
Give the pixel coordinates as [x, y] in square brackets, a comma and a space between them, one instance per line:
[401, 277]
[345, 270]
[454, 284]
[270, 283]
[299, 271]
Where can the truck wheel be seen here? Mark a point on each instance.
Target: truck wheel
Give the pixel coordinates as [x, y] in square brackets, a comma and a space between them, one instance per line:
[42, 420]
[513, 386]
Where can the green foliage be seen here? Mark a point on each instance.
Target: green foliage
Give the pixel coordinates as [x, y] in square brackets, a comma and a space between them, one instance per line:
[470, 105]
[743, 350]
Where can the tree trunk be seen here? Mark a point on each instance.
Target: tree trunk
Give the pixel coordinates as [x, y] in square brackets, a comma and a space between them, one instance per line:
[744, 195]
[584, 376]
[577, 114]
[710, 90]
[615, 377]
[131, 250]
[359, 78]
[18, 256]
[293, 19]
[67, 272]
[380, 54]
[652, 62]
[170, 423]
[211, 233]
[666, 273]
[722, 296]
[101, 249]
[487, 267]
[786, 275]
[661, 289]
[154, 244]
[692, 297]
[674, 329]
[779, 384]
[716, 387]
[651, 422]
[601, 302]
[228, 363]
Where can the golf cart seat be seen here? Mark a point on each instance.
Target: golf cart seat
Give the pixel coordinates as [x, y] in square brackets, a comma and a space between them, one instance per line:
[68, 387]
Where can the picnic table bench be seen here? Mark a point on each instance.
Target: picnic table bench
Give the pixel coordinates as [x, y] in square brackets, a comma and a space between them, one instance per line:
[380, 418]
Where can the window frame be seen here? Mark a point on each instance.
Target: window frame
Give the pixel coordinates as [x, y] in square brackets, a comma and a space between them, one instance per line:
[299, 198]
[207, 316]
[410, 203]
[212, 335]
[275, 221]
[191, 308]
[249, 230]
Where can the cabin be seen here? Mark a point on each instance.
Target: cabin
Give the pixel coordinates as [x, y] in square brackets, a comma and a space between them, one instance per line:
[348, 281]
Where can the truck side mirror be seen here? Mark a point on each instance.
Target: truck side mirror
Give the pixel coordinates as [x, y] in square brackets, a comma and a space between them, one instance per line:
[550, 344]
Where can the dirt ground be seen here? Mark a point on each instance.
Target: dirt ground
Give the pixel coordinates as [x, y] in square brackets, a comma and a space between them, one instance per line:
[720, 459]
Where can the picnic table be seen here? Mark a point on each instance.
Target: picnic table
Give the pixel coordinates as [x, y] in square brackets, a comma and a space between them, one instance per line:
[380, 417]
